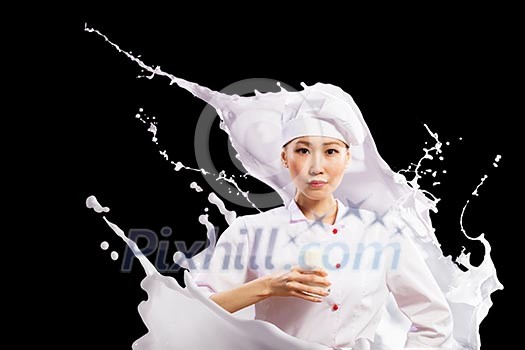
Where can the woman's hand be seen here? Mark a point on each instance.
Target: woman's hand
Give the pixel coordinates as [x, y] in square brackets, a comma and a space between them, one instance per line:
[298, 281]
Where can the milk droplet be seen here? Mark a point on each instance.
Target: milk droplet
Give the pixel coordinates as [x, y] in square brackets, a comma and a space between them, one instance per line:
[153, 129]
[228, 215]
[104, 245]
[195, 186]
[498, 157]
[178, 256]
[92, 203]
[114, 255]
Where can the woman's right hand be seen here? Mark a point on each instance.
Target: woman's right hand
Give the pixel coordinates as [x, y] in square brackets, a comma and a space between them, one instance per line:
[297, 281]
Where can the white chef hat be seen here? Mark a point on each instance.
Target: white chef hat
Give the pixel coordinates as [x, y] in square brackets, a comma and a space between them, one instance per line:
[258, 126]
[315, 112]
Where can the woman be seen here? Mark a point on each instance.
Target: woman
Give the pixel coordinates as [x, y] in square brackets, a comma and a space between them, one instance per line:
[364, 254]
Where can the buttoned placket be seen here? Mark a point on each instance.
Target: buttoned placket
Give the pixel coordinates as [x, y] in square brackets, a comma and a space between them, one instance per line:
[324, 234]
[334, 231]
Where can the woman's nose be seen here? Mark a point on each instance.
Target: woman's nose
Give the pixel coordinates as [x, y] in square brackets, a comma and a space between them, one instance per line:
[316, 165]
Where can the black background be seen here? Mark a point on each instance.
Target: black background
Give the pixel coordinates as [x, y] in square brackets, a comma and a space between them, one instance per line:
[400, 77]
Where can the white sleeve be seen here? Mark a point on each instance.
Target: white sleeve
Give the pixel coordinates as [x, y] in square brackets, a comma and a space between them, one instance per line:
[419, 297]
[227, 267]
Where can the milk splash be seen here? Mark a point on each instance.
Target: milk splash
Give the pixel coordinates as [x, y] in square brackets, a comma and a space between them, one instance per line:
[196, 187]
[170, 307]
[178, 165]
[91, 202]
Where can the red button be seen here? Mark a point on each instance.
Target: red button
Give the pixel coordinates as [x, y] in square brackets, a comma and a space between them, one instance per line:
[335, 307]
[337, 265]
[334, 231]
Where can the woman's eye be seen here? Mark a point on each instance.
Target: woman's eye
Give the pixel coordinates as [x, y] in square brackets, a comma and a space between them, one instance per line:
[332, 151]
[302, 151]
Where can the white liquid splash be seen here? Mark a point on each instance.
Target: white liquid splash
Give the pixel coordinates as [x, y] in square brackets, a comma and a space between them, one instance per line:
[92, 203]
[228, 215]
[196, 187]
[222, 176]
[178, 166]
[484, 276]
[198, 259]
[166, 312]
[495, 164]
[475, 193]
[468, 292]
[104, 245]
[192, 87]
[437, 149]
[153, 129]
[152, 125]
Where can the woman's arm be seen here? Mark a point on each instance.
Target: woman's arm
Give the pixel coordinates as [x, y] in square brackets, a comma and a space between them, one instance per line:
[419, 297]
[232, 285]
[292, 283]
[245, 295]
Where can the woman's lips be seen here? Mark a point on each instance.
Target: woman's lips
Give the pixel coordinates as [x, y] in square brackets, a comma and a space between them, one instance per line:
[317, 184]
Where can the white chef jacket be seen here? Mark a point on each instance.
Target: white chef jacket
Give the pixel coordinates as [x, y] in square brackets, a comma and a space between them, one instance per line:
[366, 257]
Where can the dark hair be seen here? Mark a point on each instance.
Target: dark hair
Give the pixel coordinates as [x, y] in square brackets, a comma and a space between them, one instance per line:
[286, 144]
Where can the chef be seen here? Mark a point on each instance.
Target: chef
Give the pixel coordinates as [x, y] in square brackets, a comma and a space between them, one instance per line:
[322, 266]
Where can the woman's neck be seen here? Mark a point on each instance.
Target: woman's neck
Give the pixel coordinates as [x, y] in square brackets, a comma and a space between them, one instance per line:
[326, 206]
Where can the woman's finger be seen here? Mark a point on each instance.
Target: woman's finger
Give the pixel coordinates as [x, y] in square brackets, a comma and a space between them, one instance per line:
[299, 287]
[318, 271]
[306, 296]
[313, 279]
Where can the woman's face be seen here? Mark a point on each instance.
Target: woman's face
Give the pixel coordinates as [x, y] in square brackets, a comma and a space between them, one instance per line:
[316, 164]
